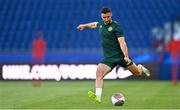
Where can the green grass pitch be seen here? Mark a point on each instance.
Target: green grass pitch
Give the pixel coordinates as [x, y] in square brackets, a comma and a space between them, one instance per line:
[73, 95]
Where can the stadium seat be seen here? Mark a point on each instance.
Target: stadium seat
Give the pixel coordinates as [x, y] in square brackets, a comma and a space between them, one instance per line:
[20, 20]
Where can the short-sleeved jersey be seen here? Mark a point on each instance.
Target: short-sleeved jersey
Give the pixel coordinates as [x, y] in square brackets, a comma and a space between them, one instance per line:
[109, 39]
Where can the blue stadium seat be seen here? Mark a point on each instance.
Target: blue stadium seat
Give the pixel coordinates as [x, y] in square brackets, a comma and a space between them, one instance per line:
[20, 20]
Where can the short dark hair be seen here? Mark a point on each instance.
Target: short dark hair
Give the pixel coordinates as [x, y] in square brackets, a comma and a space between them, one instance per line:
[105, 10]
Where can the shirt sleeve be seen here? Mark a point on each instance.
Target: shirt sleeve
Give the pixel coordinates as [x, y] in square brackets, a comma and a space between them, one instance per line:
[119, 32]
[98, 24]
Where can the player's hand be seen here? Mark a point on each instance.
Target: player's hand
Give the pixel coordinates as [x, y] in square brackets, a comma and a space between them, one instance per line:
[127, 60]
[81, 27]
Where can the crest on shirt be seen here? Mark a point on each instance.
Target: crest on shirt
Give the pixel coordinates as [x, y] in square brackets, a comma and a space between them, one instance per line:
[100, 26]
[110, 29]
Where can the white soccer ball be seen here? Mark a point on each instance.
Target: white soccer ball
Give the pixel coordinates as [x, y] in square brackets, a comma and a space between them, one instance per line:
[117, 99]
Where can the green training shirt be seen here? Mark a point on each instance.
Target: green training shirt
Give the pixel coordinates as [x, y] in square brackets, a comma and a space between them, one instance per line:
[108, 35]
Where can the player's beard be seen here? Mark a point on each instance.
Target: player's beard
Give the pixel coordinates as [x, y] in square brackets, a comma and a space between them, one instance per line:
[108, 22]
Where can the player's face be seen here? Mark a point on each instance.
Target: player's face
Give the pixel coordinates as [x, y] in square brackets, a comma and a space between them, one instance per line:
[106, 17]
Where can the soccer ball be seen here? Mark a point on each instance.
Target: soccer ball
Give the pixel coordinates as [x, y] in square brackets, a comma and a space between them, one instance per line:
[117, 99]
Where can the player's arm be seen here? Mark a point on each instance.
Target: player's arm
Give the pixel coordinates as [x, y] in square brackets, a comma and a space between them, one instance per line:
[124, 48]
[88, 25]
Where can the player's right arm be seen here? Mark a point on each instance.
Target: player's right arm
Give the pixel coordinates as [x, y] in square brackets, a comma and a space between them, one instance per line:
[88, 25]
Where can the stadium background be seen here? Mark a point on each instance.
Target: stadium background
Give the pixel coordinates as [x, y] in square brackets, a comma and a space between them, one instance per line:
[144, 23]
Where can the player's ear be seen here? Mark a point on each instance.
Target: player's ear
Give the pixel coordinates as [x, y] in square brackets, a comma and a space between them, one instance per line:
[111, 14]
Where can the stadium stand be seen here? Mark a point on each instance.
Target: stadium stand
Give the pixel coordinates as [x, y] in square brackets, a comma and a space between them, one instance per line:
[20, 20]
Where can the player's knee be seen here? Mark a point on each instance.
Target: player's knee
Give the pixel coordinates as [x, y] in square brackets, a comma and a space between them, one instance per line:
[99, 74]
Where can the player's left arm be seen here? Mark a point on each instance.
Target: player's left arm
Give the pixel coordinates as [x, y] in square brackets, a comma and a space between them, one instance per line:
[124, 48]
[121, 39]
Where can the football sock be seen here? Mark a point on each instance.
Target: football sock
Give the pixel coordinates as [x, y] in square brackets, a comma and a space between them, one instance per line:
[99, 92]
[145, 70]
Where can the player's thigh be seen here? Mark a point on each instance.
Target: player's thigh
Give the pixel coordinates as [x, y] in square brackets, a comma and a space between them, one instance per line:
[123, 63]
[134, 69]
[103, 69]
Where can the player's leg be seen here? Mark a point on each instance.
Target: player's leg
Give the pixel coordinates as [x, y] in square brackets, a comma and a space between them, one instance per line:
[138, 69]
[101, 72]
[145, 70]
